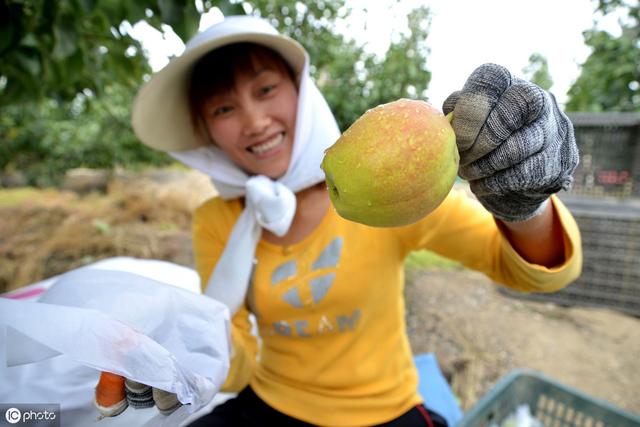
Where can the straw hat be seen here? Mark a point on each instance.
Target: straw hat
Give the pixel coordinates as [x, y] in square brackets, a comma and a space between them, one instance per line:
[160, 113]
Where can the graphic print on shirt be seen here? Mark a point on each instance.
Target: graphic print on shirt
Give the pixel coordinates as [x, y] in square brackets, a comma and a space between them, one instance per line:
[309, 291]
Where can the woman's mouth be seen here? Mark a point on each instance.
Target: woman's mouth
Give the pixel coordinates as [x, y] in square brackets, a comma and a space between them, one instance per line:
[268, 145]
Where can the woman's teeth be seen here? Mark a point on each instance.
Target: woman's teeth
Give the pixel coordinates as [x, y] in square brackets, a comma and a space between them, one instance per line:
[266, 146]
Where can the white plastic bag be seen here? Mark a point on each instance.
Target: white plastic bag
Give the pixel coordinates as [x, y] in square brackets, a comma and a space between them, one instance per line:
[122, 322]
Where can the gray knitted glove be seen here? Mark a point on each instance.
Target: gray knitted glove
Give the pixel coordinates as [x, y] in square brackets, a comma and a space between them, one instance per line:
[516, 146]
[142, 396]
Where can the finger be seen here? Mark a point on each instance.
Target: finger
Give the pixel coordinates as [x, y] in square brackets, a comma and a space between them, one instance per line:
[450, 103]
[519, 146]
[520, 207]
[479, 96]
[527, 177]
[522, 103]
[166, 402]
[110, 397]
[138, 395]
[518, 107]
[488, 81]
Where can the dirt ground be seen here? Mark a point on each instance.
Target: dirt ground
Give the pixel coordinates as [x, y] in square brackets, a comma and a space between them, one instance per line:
[477, 333]
[480, 334]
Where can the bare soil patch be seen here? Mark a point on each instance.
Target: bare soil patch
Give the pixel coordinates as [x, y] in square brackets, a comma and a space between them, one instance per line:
[479, 335]
[144, 215]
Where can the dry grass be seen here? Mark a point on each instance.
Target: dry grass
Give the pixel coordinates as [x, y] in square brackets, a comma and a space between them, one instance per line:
[48, 232]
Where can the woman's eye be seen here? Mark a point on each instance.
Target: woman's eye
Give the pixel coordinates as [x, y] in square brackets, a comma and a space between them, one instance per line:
[265, 90]
[222, 110]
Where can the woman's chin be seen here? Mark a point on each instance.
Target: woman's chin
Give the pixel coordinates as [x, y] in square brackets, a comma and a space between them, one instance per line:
[273, 168]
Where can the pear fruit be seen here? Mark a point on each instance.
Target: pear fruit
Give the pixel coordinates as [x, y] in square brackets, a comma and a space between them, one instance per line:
[393, 166]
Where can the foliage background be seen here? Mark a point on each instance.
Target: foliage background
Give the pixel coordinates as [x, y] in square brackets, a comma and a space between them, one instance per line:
[610, 77]
[69, 70]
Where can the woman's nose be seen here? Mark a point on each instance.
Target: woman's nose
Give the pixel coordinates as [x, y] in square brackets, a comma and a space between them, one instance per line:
[256, 121]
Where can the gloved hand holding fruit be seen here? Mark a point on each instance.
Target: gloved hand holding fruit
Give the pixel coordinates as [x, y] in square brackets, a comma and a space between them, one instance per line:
[516, 146]
[398, 161]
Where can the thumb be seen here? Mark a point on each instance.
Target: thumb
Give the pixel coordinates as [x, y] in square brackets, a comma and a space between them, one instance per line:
[450, 103]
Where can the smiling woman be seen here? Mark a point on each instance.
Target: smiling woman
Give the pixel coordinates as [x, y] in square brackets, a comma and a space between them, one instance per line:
[244, 97]
[270, 246]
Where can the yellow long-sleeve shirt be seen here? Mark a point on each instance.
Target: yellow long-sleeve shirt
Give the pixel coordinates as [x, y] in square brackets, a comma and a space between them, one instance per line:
[330, 309]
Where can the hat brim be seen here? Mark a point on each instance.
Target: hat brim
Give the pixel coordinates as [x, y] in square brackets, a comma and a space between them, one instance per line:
[160, 114]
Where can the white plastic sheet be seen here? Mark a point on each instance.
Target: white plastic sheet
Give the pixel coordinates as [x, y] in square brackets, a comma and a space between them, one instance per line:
[117, 321]
[522, 417]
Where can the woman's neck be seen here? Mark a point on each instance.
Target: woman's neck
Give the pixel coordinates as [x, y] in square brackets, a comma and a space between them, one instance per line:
[311, 206]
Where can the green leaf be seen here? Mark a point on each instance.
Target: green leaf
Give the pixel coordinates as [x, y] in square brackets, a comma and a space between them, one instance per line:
[228, 8]
[87, 6]
[28, 62]
[169, 11]
[191, 22]
[7, 34]
[182, 16]
[135, 11]
[65, 37]
[10, 25]
[30, 40]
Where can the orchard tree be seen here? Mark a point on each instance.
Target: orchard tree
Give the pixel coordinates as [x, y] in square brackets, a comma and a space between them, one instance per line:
[403, 72]
[59, 48]
[69, 70]
[610, 77]
[49, 137]
[537, 71]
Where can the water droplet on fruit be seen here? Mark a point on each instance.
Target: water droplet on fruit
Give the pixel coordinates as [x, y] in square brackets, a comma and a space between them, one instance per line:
[369, 203]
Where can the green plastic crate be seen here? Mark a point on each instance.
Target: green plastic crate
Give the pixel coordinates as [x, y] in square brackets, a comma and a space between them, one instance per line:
[553, 404]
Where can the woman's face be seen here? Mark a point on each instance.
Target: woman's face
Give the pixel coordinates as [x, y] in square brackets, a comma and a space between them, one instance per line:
[254, 122]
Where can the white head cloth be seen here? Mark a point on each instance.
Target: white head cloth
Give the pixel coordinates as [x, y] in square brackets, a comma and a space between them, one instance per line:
[268, 204]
